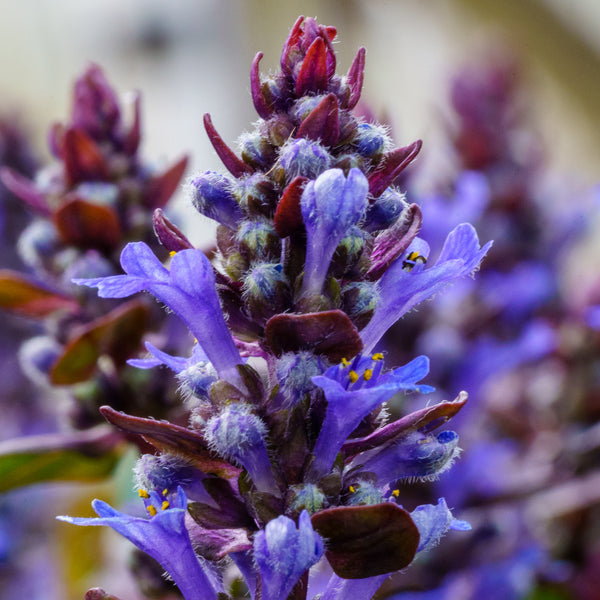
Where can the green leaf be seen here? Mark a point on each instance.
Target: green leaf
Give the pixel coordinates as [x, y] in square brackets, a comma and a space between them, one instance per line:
[81, 456]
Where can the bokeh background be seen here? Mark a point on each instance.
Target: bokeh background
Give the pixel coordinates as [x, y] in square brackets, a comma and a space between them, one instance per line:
[189, 57]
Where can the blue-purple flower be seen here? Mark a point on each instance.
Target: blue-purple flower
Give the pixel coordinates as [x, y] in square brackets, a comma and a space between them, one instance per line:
[188, 289]
[164, 537]
[283, 553]
[353, 390]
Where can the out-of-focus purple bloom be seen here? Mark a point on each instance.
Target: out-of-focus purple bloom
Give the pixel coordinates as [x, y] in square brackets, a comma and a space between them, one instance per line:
[352, 392]
[407, 282]
[188, 289]
[164, 537]
[283, 553]
[331, 205]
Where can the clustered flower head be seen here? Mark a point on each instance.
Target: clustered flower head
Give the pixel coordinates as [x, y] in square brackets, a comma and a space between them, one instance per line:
[289, 436]
[91, 201]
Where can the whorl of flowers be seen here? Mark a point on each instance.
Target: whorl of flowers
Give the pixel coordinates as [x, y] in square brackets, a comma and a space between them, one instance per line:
[318, 255]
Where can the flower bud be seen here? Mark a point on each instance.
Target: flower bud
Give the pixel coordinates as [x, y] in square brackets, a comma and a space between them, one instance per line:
[259, 241]
[266, 291]
[301, 157]
[384, 212]
[348, 252]
[257, 151]
[305, 496]
[239, 435]
[304, 106]
[198, 378]
[359, 301]
[294, 372]
[212, 196]
[372, 141]
[256, 195]
[417, 456]
[98, 192]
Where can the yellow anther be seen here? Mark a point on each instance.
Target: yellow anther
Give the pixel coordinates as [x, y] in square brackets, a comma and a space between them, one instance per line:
[368, 374]
[172, 253]
[378, 356]
[152, 510]
[165, 505]
[352, 490]
[353, 376]
[165, 492]
[396, 493]
[143, 493]
[412, 256]
[345, 362]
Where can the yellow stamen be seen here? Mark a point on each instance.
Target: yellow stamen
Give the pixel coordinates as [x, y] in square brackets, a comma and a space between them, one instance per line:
[345, 362]
[172, 253]
[353, 376]
[396, 493]
[378, 356]
[352, 490]
[143, 493]
[368, 374]
[165, 505]
[165, 492]
[152, 510]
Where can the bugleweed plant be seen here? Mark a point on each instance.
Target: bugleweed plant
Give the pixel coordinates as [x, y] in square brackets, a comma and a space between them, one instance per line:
[290, 472]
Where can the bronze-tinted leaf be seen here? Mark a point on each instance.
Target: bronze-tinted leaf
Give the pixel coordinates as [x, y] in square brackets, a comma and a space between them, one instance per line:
[392, 165]
[288, 216]
[425, 419]
[330, 333]
[170, 236]
[161, 187]
[83, 158]
[21, 295]
[169, 437]
[88, 225]
[323, 123]
[231, 513]
[365, 541]
[25, 189]
[78, 456]
[118, 334]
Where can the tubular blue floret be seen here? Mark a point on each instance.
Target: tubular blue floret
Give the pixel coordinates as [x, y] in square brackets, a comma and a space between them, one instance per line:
[164, 537]
[283, 553]
[408, 283]
[212, 196]
[239, 435]
[342, 589]
[188, 289]
[433, 521]
[331, 205]
[352, 393]
[305, 158]
[415, 456]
